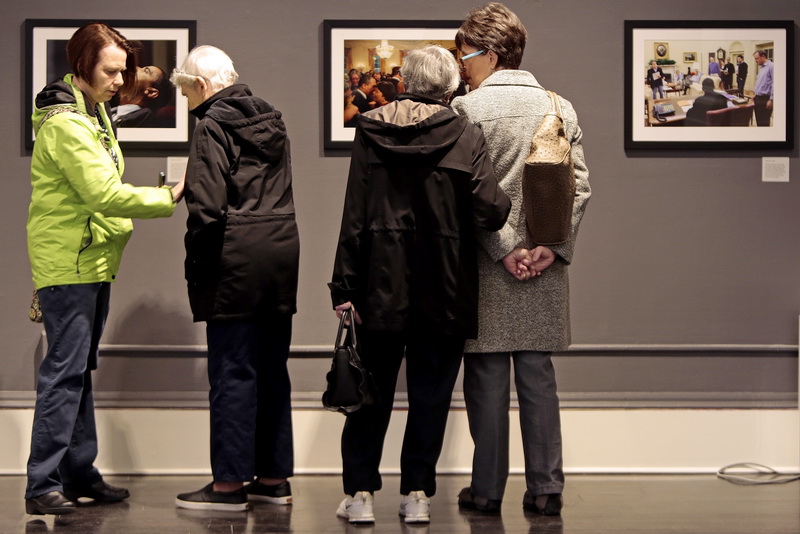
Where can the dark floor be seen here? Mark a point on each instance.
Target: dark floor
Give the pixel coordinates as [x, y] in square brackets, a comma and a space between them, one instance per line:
[624, 503]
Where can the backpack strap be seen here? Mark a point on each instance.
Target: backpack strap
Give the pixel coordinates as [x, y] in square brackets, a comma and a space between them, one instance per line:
[105, 140]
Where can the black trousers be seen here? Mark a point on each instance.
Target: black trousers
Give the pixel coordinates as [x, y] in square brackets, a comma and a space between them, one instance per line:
[740, 85]
[762, 113]
[250, 398]
[432, 364]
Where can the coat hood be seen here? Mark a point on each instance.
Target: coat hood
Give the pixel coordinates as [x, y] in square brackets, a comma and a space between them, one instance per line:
[57, 93]
[412, 126]
[252, 121]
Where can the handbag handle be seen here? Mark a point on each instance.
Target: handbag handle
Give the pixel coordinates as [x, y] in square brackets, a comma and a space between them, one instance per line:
[347, 317]
[556, 104]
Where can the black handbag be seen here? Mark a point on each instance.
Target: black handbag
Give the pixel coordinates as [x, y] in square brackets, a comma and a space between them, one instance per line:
[350, 385]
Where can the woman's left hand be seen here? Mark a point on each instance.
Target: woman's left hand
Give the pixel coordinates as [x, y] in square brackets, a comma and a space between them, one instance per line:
[541, 258]
[341, 307]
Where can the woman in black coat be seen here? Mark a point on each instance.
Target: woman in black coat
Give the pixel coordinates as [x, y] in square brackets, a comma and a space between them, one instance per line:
[421, 184]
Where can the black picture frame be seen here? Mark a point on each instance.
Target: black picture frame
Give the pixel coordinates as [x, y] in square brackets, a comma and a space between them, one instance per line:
[736, 37]
[405, 34]
[164, 43]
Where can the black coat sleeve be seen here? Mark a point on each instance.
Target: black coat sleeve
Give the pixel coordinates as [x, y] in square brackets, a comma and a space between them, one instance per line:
[347, 282]
[206, 201]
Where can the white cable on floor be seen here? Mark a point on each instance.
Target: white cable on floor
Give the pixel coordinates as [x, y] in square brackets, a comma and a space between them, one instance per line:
[760, 470]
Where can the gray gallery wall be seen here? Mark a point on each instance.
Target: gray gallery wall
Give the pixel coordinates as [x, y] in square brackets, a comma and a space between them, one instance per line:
[686, 277]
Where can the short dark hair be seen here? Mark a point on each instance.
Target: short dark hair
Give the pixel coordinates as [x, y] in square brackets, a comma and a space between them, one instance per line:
[494, 27]
[708, 85]
[365, 78]
[83, 53]
[388, 90]
[761, 53]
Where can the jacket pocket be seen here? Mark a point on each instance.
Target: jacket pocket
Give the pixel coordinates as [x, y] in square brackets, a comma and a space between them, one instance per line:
[86, 241]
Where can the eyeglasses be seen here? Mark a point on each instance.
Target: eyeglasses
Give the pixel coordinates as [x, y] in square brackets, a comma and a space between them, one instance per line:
[479, 52]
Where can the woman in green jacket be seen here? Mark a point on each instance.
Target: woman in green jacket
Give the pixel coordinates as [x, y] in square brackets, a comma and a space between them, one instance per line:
[78, 225]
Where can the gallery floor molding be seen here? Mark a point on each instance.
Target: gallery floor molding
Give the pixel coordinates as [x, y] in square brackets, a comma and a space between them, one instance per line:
[164, 441]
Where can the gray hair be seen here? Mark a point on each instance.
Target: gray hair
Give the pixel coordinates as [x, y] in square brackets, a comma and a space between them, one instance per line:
[431, 71]
[207, 62]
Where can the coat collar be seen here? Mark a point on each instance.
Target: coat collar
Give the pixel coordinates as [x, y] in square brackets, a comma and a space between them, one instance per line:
[237, 89]
[511, 77]
[80, 101]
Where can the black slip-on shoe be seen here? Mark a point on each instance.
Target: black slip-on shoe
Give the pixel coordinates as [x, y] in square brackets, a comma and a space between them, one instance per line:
[275, 494]
[208, 499]
[466, 499]
[550, 504]
[53, 502]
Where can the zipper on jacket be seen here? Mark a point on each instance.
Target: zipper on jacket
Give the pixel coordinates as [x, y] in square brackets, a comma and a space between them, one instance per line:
[84, 246]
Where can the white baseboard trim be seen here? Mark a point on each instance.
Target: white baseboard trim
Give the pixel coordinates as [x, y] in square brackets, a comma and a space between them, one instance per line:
[175, 442]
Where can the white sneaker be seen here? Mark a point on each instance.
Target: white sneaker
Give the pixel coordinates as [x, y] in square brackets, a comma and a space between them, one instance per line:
[416, 507]
[358, 508]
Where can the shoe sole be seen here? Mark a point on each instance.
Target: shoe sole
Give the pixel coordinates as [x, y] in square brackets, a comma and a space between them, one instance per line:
[483, 509]
[271, 500]
[220, 507]
[48, 511]
[75, 498]
[415, 518]
[357, 520]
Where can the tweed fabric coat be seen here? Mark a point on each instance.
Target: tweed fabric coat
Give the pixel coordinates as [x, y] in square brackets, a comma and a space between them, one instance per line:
[514, 315]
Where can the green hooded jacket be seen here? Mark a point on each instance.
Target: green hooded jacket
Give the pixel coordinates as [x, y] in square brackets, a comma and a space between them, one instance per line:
[79, 216]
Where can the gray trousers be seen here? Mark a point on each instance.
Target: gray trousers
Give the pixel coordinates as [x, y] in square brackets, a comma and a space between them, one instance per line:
[487, 386]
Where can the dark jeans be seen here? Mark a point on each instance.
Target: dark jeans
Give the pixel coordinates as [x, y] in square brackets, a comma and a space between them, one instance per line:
[64, 436]
[250, 398]
[432, 364]
[762, 113]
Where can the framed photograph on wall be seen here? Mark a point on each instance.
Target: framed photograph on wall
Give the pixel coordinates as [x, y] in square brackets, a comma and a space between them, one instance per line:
[732, 110]
[369, 46]
[160, 121]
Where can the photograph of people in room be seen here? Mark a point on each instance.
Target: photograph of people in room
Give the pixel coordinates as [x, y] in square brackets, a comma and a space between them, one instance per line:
[374, 72]
[715, 91]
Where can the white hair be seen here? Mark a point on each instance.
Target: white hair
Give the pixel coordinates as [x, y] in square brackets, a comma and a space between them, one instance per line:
[431, 71]
[207, 62]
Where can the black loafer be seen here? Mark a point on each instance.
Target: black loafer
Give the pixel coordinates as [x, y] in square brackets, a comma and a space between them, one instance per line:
[466, 499]
[550, 504]
[100, 491]
[50, 503]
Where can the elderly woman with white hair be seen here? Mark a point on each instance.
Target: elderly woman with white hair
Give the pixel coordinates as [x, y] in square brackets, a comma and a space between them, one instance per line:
[420, 186]
[241, 267]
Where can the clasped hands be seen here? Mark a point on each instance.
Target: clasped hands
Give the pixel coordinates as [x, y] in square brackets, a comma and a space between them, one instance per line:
[523, 263]
[520, 262]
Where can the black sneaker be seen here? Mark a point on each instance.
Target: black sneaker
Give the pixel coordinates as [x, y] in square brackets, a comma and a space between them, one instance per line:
[276, 494]
[472, 502]
[208, 499]
[550, 504]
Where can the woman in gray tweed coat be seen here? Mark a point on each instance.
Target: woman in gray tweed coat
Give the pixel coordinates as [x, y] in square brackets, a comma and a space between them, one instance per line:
[524, 318]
